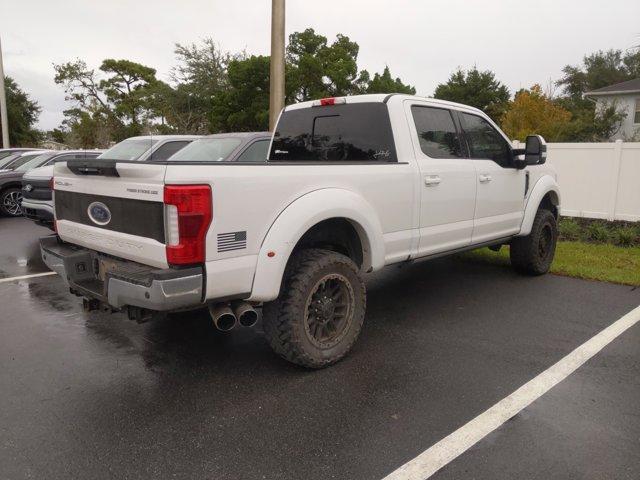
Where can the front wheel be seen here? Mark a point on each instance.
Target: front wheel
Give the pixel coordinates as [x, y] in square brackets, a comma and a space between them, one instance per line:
[533, 254]
[10, 202]
[319, 313]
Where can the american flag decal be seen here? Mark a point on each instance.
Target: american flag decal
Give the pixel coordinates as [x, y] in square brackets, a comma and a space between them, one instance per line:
[232, 241]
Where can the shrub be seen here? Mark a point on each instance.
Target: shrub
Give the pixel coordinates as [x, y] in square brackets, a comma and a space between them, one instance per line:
[598, 232]
[569, 229]
[625, 236]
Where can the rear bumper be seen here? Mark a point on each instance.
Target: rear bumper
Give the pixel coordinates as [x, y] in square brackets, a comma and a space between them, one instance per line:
[122, 283]
[37, 211]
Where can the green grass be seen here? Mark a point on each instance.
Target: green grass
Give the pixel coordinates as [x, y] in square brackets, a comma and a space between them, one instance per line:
[603, 262]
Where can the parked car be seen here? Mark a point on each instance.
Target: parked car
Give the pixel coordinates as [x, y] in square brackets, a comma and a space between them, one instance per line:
[37, 199]
[10, 181]
[351, 184]
[149, 147]
[14, 159]
[5, 152]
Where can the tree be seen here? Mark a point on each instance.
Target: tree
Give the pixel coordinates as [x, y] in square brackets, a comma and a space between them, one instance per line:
[532, 112]
[199, 77]
[209, 90]
[478, 89]
[245, 105]
[386, 84]
[116, 103]
[597, 70]
[22, 113]
[317, 69]
[84, 129]
[128, 88]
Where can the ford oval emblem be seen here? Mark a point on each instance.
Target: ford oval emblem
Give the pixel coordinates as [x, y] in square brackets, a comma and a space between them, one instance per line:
[99, 213]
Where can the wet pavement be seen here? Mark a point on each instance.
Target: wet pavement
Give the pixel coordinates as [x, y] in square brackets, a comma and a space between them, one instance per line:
[97, 396]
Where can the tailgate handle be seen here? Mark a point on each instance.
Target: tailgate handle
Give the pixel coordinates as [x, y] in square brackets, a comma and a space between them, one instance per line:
[94, 167]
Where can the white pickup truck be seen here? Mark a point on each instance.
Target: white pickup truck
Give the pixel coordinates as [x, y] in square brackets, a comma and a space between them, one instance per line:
[350, 185]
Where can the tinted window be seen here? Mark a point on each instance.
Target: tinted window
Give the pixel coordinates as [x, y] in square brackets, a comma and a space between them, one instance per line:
[168, 149]
[351, 132]
[436, 132]
[257, 152]
[207, 150]
[484, 141]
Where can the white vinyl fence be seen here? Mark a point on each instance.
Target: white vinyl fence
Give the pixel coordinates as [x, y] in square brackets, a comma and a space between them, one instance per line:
[598, 180]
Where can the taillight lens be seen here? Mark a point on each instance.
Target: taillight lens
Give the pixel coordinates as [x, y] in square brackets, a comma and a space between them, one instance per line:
[187, 219]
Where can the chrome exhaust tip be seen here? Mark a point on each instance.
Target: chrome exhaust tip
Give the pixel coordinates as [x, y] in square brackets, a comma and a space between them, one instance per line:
[223, 317]
[245, 313]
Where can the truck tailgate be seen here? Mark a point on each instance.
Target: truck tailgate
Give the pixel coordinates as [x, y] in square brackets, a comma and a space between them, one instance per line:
[113, 207]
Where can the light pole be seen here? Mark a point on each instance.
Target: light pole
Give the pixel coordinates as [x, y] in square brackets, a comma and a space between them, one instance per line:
[276, 77]
[3, 106]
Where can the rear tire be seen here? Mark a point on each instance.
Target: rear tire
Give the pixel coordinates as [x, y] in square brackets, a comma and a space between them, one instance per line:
[10, 200]
[533, 254]
[319, 313]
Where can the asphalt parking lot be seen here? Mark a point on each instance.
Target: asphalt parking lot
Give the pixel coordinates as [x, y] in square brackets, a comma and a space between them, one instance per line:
[98, 396]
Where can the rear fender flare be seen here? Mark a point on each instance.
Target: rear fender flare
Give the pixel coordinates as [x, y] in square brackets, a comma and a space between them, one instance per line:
[544, 185]
[297, 218]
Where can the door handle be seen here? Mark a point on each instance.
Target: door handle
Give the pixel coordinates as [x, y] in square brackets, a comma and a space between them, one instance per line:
[432, 180]
[484, 178]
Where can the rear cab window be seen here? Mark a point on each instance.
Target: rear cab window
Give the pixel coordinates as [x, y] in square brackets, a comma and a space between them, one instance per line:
[352, 132]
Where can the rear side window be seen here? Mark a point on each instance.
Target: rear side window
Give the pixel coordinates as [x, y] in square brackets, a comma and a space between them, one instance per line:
[256, 152]
[165, 151]
[484, 141]
[130, 149]
[336, 133]
[437, 132]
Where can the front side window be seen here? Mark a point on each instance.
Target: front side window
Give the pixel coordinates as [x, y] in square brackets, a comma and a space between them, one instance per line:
[436, 132]
[334, 133]
[256, 152]
[484, 141]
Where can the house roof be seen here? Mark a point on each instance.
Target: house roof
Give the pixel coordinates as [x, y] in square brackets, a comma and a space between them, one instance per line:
[630, 86]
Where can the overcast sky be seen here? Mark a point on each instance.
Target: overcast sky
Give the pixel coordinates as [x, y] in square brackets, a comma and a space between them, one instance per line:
[422, 41]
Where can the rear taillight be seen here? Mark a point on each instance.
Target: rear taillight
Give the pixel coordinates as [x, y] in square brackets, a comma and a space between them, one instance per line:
[187, 219]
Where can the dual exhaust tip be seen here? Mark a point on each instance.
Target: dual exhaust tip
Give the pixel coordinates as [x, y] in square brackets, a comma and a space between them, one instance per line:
[225, 317]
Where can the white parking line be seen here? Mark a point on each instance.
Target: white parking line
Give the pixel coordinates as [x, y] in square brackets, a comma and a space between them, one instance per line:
[450, 447]
[23, 277]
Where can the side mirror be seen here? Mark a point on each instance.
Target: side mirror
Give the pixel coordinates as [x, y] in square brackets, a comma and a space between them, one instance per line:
[535, 150]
